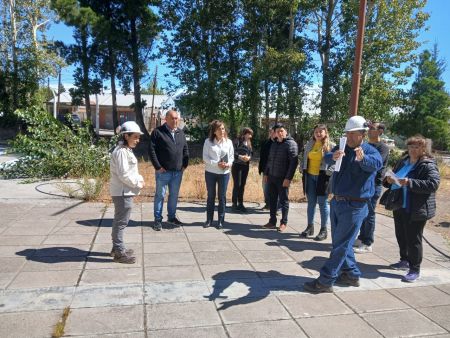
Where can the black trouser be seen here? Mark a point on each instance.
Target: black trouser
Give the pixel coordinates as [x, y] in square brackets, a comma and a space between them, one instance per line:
[409, 238]
[278, 196]
[239, 173]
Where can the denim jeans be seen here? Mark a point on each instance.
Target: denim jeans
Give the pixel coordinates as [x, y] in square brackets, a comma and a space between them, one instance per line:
[278, 197]
[366, 235]
[346, 219]
[221, 181]
[171, 179]
[313, 199]
[122, 212]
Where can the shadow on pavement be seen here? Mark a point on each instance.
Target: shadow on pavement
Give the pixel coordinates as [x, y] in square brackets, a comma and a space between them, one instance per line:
[63, 254]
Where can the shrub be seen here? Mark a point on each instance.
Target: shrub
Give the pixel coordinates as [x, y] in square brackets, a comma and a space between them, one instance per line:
[50, 149]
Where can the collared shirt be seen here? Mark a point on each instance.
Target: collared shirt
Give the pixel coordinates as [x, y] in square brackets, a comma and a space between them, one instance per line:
[172, 132]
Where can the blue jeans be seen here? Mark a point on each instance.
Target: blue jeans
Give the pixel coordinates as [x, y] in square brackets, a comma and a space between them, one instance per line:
[346, 219]
[313, 199]
[366, 235]
[221, 181]
[171, 179]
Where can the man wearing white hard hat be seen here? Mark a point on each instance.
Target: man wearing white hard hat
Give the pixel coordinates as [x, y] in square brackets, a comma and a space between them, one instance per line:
[352, 186]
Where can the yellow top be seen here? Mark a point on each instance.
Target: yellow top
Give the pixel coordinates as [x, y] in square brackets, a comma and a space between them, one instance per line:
[315, 158]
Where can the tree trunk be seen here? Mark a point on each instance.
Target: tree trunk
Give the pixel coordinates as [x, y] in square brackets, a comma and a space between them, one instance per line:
[15, 73]
[136, 66]
[85, 67]
[112, 73]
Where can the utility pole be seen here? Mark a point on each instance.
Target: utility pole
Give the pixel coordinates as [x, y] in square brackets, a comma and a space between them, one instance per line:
[59, 90]
[356, 77]
[153, 98]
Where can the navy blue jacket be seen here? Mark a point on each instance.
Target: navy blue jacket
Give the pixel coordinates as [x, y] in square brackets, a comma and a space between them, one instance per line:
[355, 178]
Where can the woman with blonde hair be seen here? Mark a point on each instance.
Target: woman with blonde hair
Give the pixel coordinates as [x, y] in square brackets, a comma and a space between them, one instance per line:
[218, 155]
[316, 175]
[419, 179]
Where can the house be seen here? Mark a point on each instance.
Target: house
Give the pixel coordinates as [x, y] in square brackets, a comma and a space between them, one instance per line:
[125, 110]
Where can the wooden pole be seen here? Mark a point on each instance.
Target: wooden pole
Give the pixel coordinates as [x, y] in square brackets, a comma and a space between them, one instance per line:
[356, 78]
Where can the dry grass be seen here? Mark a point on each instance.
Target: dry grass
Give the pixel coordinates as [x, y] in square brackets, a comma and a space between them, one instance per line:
[58, 330]
[193, 187]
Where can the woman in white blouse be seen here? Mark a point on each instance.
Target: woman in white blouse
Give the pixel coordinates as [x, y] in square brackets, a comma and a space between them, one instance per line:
[218, 155]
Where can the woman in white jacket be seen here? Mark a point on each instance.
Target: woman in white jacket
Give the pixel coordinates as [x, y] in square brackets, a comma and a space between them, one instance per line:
[125, 183]
[218, 155]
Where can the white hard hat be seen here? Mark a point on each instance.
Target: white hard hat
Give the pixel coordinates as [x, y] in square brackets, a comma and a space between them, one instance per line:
[356, 123]
[130, 127]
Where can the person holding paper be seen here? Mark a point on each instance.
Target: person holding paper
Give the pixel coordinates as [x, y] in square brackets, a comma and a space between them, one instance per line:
[316, 175]
[419, 178]
[218, 155]
[280, 169]
[243, 152]
[366, 235]
[352, 186]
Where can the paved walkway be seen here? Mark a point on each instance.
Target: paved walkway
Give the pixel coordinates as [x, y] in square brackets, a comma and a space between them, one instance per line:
[241, 281]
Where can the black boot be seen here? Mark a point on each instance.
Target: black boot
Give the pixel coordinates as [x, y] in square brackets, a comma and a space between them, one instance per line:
[309, 231]
[323, 234]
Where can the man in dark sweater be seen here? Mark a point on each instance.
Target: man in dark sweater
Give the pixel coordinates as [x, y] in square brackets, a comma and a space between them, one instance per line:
[279, 171]
[263, 157]
[366, 235]
[169, 155]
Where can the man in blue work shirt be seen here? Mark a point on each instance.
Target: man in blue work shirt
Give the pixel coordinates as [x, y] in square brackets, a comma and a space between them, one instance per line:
[352, 186]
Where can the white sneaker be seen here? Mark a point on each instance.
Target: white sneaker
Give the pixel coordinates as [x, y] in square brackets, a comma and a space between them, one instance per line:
[363, 248]
[357, 243]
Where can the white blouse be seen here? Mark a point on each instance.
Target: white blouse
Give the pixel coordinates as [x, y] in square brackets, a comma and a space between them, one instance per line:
[125, 179]
[214, 151]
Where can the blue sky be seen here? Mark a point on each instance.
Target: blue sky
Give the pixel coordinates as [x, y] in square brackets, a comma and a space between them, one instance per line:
[437, 32]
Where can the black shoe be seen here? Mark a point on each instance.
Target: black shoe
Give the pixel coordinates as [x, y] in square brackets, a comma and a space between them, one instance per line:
[175, 221]
[157, 226]
[323, 234]
[346, 280]
[242, 208]
[128, 252]
[316, 287]
[309, 231]
[207, 224]
[124, 258]
[219, 225]
[235, 208]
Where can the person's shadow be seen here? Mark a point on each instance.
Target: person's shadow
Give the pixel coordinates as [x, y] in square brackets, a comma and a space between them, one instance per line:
[54, 255]
[257, 288]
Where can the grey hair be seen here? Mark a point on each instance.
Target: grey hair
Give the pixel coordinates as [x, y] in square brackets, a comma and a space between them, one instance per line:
[171, 111]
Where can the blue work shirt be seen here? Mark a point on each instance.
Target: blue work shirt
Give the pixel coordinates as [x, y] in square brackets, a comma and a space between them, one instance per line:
[355, 178]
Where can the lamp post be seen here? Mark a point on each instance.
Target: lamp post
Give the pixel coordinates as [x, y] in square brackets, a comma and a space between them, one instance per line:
[356, 77]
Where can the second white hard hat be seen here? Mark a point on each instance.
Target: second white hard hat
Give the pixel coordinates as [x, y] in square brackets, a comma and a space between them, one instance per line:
[356, 123]
[130, 127]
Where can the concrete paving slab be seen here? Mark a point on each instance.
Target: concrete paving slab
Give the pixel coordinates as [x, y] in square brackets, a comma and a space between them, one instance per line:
[182, 315]
[252, 310]
[11, 264]
[176, 292]
[344, 326]
[190, 332]
[22, 240]
[267, 329]
[152, 236]
[172, 259]
[307, 305]
[129, 275]
[96, 263]
[28, 324]
[438, 314]
[69, 239]
[139, 334]
[402, 323]
[54, 263]
[267, 256]
[103, 320]
[6, 278]
[275, 269]
[173, 273]
[107, 295]
[257, 245]
[422, 296]
[228, 271]
[224, 257]
[372, 300]
[444, 287]
[230, 291]
[40, 279]
[213, 246]
[207, 237]
[13, 250]
[167, 247]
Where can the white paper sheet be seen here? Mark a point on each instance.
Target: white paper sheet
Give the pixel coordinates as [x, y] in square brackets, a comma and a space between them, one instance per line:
[342, 143]
[391, 174]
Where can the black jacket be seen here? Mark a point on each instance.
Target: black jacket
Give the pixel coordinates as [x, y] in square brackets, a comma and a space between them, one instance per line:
[264, 155]
[283, 159]
[425, 179]
[167, 153]
[241, 149]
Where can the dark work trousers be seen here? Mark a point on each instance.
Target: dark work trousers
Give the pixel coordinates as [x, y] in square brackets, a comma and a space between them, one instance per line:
[409, 238]
[239, 173]
[278, 195]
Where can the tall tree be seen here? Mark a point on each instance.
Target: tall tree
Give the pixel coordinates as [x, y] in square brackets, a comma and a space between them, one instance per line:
[427, 111]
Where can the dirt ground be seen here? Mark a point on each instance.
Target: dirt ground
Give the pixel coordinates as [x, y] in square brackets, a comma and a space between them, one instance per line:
[193, 188]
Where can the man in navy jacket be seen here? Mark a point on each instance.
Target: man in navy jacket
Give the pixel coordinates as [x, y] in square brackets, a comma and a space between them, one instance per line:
[352, 186]
[169, 155]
